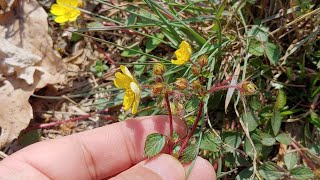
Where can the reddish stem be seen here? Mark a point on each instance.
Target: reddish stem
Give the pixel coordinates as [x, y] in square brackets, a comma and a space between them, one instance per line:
[56, 123]
[111, 61]
[185, 143]
[309, 163]
[217, 88]
[170, 121]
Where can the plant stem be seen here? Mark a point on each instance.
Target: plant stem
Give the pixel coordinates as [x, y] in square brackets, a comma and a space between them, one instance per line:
[170, 121]
[185, 143]
[56, 123]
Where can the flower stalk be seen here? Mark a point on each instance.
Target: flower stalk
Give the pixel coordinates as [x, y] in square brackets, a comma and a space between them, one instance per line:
[170, 121]
[194, 126]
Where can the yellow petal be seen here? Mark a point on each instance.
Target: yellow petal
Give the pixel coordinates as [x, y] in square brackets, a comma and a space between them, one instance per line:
[126, 71]
[128, 99]
[122, 81]
[74, 14]
[74, 3]
[185, 45]
[61, 19]
[57, 10]
[177, 62]
[135, 88]
[135, 104]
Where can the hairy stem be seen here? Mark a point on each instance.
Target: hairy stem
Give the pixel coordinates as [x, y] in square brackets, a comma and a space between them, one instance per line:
[170, 121]
[185, 143]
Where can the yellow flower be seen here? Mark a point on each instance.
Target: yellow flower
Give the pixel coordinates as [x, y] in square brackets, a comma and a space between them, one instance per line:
[126, 81]
[65, 10]
[183, 54]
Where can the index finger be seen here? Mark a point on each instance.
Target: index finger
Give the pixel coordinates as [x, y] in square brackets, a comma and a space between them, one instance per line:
[98, 153]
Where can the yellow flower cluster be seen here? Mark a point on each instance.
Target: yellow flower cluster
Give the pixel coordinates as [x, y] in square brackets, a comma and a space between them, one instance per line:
[65, 10]
[126, 81]
[183, 54]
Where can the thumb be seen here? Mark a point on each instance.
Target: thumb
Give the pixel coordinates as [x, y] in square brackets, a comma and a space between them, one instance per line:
[160, 167]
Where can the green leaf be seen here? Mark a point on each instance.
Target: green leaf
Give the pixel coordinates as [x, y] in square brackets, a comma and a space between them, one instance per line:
[276, 121]
[255, 103]
[192, 104]
[210, 142]
[256, 48]
[130, 53]
[154, 144]
[284, 138]
[153, 43]
[291, 159]
[281, 100]
[232, 140]
[272, 52]
[270, 170]
[267, 139]
[245, 174]
[260, 33]
[29, 138]
[234, 159]
[314, 119]
[301, 173]
[189, 154]
[250, 120]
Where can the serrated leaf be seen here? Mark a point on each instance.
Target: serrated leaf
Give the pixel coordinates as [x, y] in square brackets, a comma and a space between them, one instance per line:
[272, 52]
[234, 159]
[260, 33]
[256, 48]
[250, 120]
[245, 174]
[301, 173]
[291, 159]
[284, 138]
[281, 100]
[276, 121]
[189, 154]
[270, 170]
[210, 142]
[153, 43]
[154, 144]
[131, 52]
[232, 140]
[267, 139]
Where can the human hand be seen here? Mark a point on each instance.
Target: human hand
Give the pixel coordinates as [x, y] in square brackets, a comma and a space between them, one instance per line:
[114, 151]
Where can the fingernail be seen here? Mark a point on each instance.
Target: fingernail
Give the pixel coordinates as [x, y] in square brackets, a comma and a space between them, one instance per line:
[167, 167]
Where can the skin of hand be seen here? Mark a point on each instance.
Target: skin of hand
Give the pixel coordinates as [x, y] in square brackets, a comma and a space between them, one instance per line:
[110, 152]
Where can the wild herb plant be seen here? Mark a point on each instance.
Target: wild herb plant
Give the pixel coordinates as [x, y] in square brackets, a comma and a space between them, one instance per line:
[244, 80]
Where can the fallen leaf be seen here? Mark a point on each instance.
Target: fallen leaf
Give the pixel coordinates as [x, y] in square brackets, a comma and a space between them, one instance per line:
[28, 63]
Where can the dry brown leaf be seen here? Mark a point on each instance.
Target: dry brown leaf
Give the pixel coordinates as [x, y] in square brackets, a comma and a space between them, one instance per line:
[25, 27]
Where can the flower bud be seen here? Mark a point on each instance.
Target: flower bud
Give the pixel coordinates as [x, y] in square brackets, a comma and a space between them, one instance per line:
[195, 70]
[203, 60]
[248, 88]
[157, 88]
[158, 79]
[181, 83]
[196, 84]
[159, 69]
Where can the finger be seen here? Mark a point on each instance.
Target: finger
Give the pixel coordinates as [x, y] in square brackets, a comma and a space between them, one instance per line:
[161, 167]
[95, 154]
[202, 169]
